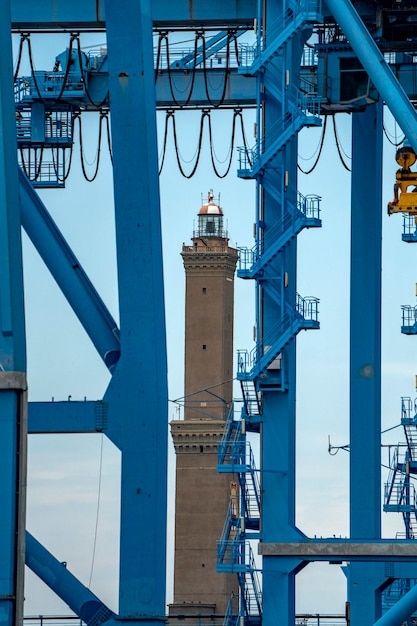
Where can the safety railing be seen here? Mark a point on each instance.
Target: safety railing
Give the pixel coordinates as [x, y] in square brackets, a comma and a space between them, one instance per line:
[303, 109]
[231, 617]
[52, 620]
[21, 89]
[23, 128]
[44, 174]
[308, 209]
[409, 319]
[409, 228]
[389, 485]
[48, 85]
[403, 496]
[406, 409]
[301, 9]
[177, 54]
[303, 315]
[229, 532]
[251, 587]
[251, 490]
[231, 439]
[321, 620]
[307, 307]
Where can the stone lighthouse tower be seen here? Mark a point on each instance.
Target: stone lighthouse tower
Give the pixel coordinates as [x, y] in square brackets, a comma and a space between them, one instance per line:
[202, 495]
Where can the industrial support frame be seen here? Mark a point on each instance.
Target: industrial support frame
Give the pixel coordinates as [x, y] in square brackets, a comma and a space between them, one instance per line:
[135, 403]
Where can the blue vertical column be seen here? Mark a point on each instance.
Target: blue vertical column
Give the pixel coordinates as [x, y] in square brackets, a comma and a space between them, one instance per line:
[138, 391]
[365, 355]
[278, 431]
[13, 400]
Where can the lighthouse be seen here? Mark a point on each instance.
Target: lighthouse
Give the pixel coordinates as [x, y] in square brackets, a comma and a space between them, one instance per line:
[202, 495]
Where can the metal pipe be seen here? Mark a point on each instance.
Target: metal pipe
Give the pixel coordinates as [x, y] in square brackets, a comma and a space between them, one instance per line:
[405, 607]
[67, 587]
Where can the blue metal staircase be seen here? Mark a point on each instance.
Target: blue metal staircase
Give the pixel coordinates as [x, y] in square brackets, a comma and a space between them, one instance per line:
[298, 16]
[400, 493]
[252, 398]
[304, 315]
[305, 215]
[234, 552]
[264, 368]
[236, 555]
[301, 110]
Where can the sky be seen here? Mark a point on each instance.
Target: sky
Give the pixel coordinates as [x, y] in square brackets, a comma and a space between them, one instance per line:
[73, 481]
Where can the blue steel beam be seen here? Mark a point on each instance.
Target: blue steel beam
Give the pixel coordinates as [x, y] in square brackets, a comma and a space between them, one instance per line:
[137, 394]
[91, 14]
[13, 398]
[66, 586]
[240, 91]
[376, 66]
[172, 89]
[69, 275]
[67, 417]
[365, 350]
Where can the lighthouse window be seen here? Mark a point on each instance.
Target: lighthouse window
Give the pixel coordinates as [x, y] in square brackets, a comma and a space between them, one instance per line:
[204, 346]
[210, 226]
[203, 290]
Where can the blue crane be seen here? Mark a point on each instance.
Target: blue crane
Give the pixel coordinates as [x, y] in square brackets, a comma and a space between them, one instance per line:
[132, 412]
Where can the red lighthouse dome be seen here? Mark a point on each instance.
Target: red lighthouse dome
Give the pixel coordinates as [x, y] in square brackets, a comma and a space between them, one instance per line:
[210, 219]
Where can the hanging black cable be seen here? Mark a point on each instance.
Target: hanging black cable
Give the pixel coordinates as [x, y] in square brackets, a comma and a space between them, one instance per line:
[106, 118]
[66, 174]
[84, 74]
[62, 179]
[200, 141]
[233, 34]
[393, 143]
[232, 144]
[54, 161]
[323, 134]
[80, 134]
[158, 54]
[39, 168]
[338, 147]
[338, 139]
[22, 161]
[23, 38]
[245, 143]
[317, 148]
[169, 114]
[67, 71]
[226, 73]
[193, 74]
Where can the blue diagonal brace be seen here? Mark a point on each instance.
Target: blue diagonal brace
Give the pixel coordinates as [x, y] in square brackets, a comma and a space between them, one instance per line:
[378, 69]
[67, 587]
[402, 609]
[68, 273]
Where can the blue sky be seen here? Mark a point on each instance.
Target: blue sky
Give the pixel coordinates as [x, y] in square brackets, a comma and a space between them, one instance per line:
[64, 471]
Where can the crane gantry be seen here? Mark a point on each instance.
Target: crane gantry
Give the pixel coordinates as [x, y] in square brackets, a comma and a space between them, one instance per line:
[350, 73]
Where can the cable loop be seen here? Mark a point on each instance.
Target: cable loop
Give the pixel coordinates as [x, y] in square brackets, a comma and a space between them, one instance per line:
[323, 134]
[97, 105]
